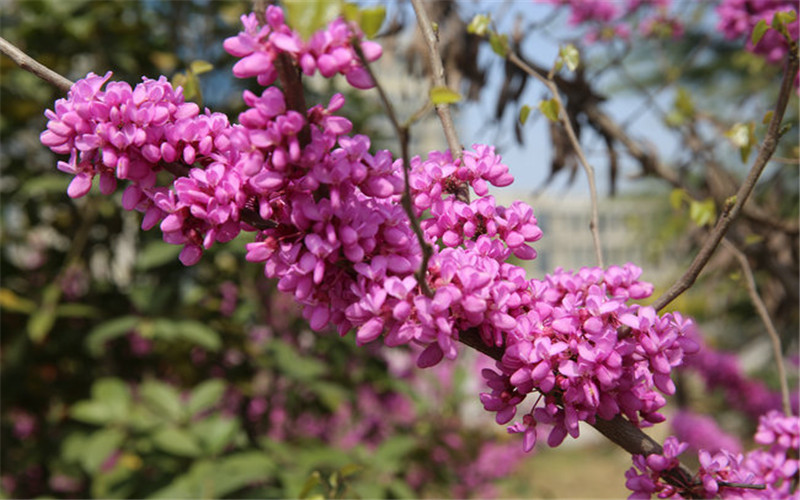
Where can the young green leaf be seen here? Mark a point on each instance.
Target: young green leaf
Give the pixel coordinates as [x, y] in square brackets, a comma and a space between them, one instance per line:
[524, 113]
[443, 95]
[758, 31]
[570, 55]
[479, 25]
[199, 67]
[676, 198]
[308, 16]
[372, 20]
[702, 213]
[549, 108]
[499, 44]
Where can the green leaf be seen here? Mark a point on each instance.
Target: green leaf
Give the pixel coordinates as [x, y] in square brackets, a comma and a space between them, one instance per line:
[177, 441]
[199, 333]
[11, 302]
[524, 113]
[294, 365]
[99, 335]
[372, 20]
[44, 184]
[760, 28]
[314, 480]
[91, 412]
[215, 433]
[676, 198]
[702, 213]
[549, 108]
[157, 254]
[350, 470]
[499, 44]
[570, 55]
[98, 447]
[162, 399]
[752, 239]
[443, 95]
[236, 471]
[75, 310]
[767, 117]
[308, 16]
[205, 395]
[743, 136]
[198, 67]
[42, 320]
[115, 394]
[479, 25]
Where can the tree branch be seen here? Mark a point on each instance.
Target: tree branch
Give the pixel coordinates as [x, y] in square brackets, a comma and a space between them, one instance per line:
[437, 73]
[27, 63]
[730, 212]
[562, 114]
[403, 136]
[761, 308]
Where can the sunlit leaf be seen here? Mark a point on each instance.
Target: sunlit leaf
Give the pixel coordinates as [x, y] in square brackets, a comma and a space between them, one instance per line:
[443, 95]
[702, 213]
[499, 44]
[676, 198]
[524, 113]
[760, 28]
[570, 55]
[198, 67]
[372, 20]
[479, 25]
[308, 16]
[549, 108]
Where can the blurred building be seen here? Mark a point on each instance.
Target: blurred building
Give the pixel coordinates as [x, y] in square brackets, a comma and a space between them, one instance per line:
[628, 233]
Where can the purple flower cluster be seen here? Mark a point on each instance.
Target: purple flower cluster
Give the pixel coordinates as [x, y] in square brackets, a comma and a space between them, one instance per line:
[330, 227]
[609, 19]
[330, 50]
[702, 432]
[737, 18]
[588, 354]
[725, 474]
[721, 370]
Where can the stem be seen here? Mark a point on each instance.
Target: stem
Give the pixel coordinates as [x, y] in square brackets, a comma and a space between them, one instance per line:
[764, 314]
[437, 73]
[27, 63]
[594, 224]
[729, 213]
[403, 137]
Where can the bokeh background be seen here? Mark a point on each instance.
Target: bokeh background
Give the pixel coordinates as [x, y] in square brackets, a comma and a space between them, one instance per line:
[127, 375]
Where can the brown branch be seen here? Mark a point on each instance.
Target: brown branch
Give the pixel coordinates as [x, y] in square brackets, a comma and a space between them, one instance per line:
[403, 136]
[27, 63]
[437, 73]
[729, 213]
[761, 308]
[562, 113]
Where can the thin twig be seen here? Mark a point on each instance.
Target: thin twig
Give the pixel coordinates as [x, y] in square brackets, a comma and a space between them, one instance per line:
[594, 224]
[437, 73]
[731, 210]
[764, 314]
[403, 137]
[28, 63]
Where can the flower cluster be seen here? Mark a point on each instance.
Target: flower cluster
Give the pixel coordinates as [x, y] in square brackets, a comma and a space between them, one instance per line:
[702, 432]
[588, 353]
[608, 20]
[762, 473]
[722, 371]
[330, 227]
[330, 50]
[737, 18]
